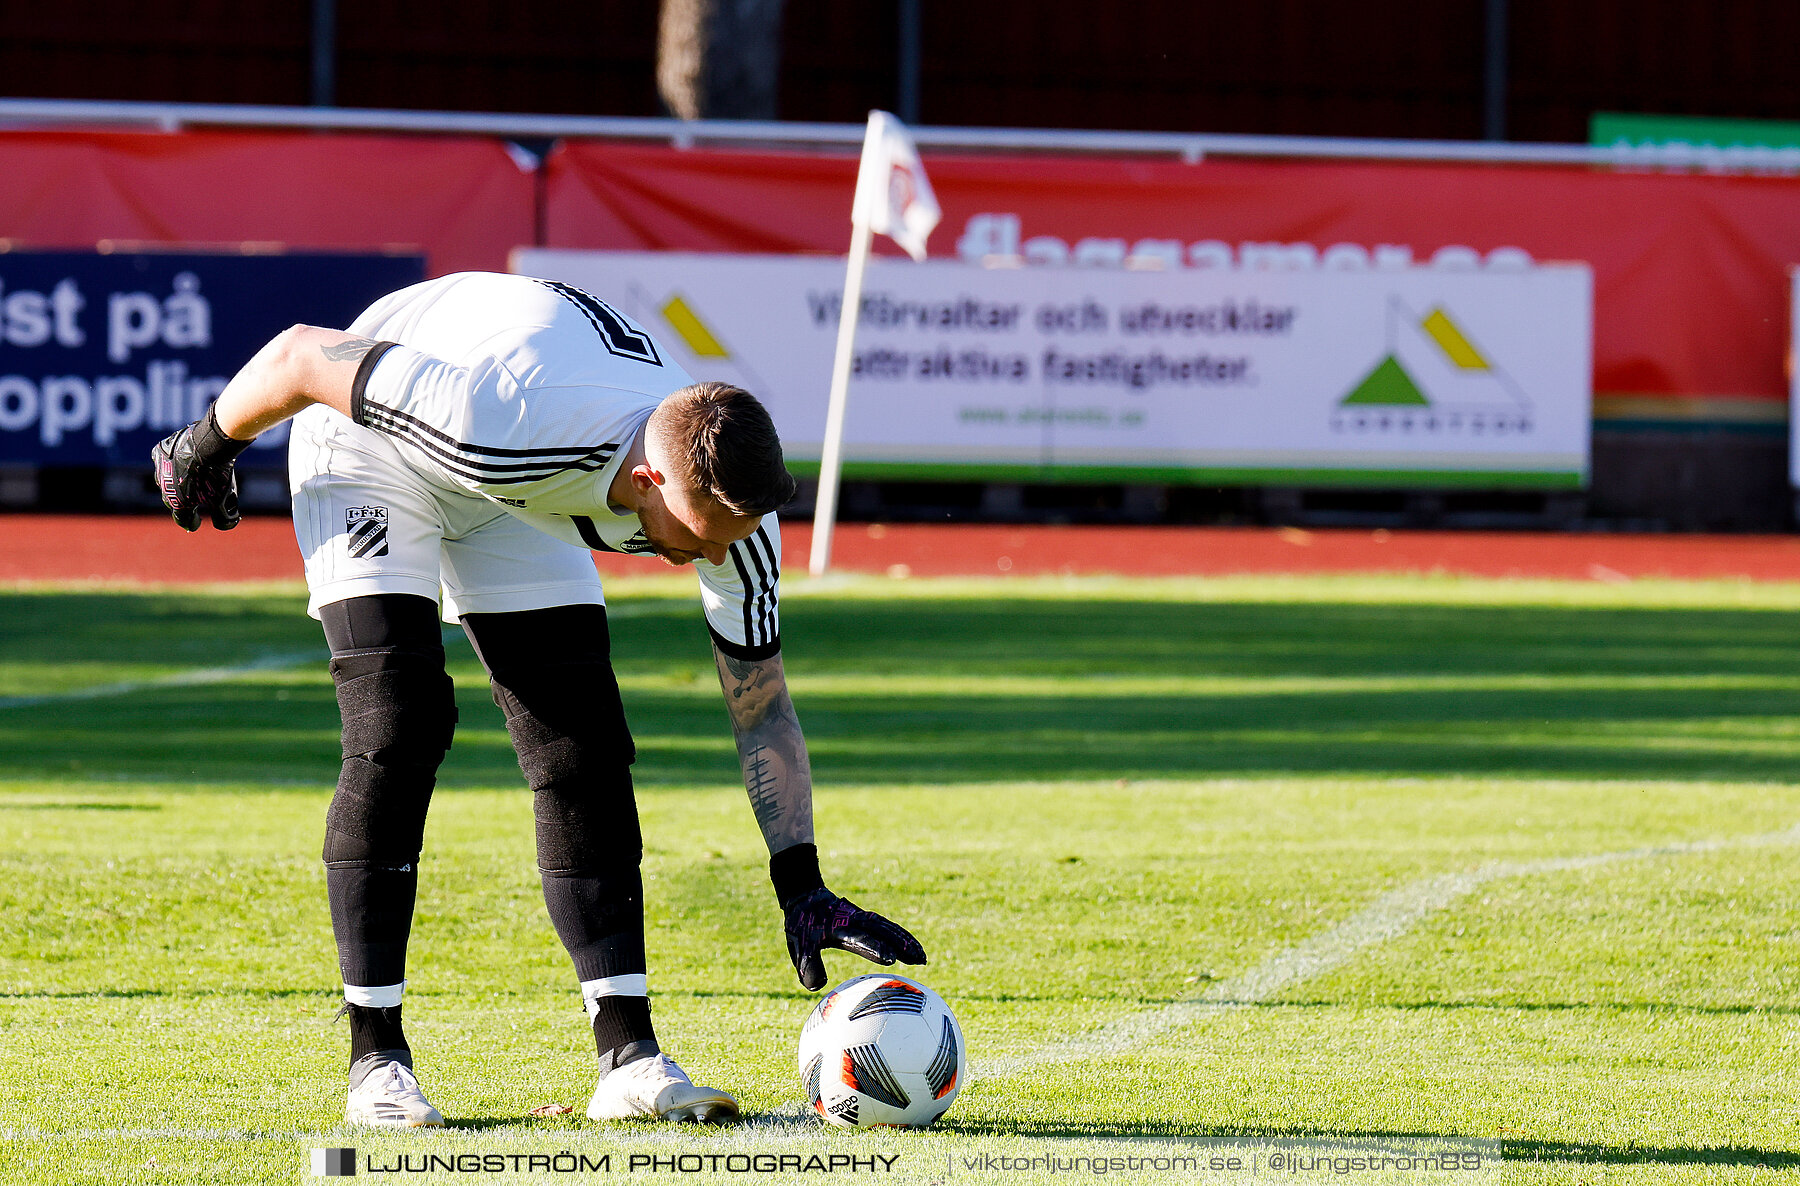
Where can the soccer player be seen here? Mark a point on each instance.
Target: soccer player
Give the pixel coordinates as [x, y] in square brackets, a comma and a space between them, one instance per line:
[476, 436]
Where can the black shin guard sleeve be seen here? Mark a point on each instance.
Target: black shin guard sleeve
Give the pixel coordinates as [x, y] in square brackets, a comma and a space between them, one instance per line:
[600, 921]
[371, 915]
[399, 713]
[552, 675]
[589, 853]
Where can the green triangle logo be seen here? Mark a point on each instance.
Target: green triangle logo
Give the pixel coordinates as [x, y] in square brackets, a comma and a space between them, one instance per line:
[1387, 385]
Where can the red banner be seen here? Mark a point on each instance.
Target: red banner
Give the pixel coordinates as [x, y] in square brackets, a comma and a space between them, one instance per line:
[1690, 272]
[463, 201]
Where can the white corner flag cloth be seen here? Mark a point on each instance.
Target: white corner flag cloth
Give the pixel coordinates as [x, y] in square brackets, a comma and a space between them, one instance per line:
[893, 198]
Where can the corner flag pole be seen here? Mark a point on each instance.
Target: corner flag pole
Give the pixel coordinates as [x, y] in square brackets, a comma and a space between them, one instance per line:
[831, 457]
[893, 198]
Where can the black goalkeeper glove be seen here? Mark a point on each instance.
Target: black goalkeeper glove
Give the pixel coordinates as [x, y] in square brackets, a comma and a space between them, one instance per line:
[816, 919]
[194, 473]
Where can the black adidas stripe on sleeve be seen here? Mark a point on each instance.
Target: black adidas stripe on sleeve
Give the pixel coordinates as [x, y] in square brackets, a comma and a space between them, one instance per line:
[737, 560]
[761, 636]
[768, 594]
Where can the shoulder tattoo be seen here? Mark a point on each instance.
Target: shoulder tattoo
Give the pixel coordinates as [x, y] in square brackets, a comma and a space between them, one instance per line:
[349, 350]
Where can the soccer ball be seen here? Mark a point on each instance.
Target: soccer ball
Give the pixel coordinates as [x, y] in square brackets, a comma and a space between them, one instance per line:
[881, 1051]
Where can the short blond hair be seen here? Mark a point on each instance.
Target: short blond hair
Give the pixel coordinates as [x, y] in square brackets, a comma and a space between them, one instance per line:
[724, 445]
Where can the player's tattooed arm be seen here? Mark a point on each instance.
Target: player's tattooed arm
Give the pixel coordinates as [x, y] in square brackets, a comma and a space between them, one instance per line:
[301, 366]
[348, 350]
[771, 748]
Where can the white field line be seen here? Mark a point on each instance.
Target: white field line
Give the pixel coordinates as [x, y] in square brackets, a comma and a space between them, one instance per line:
[156, 1134]
[1388, 917]
[218, 675]
[180, 679]
[794, 1121]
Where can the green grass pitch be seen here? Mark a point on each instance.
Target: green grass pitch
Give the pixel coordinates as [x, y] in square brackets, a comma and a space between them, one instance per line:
[1352, 861]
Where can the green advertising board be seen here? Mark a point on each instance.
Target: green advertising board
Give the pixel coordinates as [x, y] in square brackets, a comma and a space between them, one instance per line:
[1607, 129]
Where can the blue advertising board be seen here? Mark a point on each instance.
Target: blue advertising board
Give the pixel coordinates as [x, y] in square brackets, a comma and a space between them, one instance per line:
[103, 354]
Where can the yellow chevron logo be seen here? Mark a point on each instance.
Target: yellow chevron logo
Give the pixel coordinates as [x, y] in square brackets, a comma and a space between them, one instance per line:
[695, 332]
[1456, 347]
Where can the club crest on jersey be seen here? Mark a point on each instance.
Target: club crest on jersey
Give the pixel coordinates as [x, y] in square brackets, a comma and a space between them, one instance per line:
[368, 531]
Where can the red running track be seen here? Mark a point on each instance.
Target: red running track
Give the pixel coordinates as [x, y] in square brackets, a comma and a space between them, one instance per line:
[152, 550]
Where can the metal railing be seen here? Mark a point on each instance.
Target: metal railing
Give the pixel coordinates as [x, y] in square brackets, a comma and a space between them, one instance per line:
[18, 114]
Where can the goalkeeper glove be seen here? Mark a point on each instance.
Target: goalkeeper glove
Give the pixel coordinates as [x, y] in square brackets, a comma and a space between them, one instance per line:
[816, 919]
[194, 473]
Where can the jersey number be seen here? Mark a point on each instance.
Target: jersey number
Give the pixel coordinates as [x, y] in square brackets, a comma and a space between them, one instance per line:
[620, 339]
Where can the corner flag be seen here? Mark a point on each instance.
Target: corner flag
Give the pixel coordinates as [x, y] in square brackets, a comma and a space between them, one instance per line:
[893, 198]
[892, 194]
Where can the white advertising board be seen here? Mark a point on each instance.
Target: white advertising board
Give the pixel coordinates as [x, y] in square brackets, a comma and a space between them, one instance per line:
[1409, 377]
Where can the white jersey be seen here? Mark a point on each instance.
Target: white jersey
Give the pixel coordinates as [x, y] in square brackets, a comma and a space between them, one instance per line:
[528, 393]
